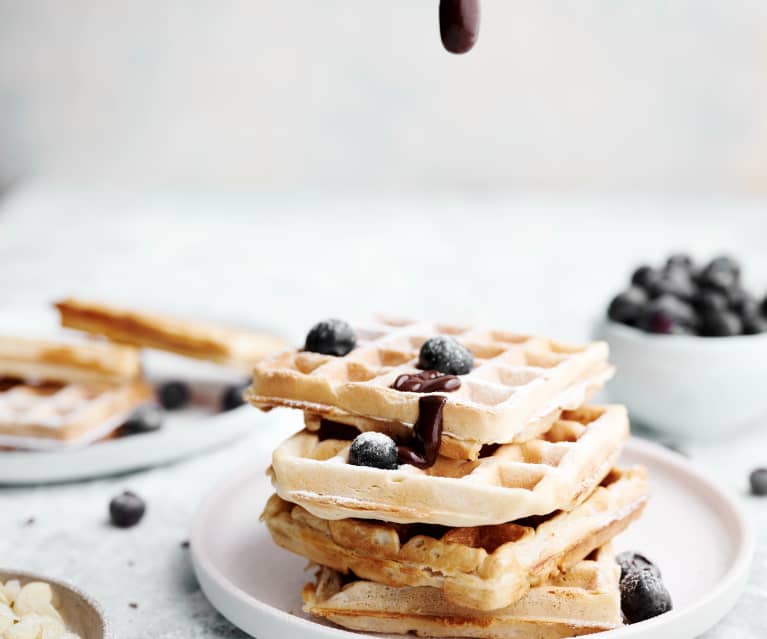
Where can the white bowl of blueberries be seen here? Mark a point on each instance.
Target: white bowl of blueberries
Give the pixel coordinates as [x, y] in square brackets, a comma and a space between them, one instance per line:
[690, 346]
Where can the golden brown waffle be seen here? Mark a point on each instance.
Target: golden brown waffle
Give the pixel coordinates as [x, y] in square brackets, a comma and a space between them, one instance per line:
[65, 412]
[511, 481]
[517, 380]
[482, 567]
[582, 601]
[227, 346]
[44, 360]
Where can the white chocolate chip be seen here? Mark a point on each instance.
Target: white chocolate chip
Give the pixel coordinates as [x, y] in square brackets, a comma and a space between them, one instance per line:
[36, 597]
[28, 628]
[11, 590]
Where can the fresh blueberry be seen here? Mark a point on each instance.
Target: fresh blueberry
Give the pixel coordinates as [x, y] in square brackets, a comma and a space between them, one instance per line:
[126, 510]
[645, 277]
[674, 281]
[680, 261]
[755, 325]
[373, 449]
[631, 562]
[758, 480]
[722, 273]
[232, 397]
[174, 395]
[709, 299]
[446, 355]
[627, 306]
[721, 324]
[145, 420]
[743, 303]
[644, 596]
[331, 337]
[668, 315]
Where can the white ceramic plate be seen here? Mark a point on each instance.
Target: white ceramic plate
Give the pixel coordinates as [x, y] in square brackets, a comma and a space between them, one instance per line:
[184, 433]
[693, 530]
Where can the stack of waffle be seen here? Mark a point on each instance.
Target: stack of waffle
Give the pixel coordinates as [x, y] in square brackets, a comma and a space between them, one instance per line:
[55, 393]
[504, 532]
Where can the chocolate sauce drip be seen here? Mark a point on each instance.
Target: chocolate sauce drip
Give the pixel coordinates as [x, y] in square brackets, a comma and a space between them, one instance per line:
[427, 382]
[334, 430]
[427, 433]
[458, 24]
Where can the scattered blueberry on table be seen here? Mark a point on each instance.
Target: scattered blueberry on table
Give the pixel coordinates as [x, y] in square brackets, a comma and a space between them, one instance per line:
[331, 337]
[174, 395]
[643, 594]
[126, 510]
[373, 449]
[758, 481]
[683, 298]
[446, 355]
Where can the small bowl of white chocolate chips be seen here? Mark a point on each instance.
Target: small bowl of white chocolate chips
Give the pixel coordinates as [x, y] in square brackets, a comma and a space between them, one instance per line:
[35, 607]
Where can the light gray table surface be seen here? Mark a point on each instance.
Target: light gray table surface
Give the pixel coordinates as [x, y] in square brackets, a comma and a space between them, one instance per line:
[531, 263]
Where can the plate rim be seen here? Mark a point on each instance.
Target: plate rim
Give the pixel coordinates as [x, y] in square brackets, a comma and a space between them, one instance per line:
[729, 586]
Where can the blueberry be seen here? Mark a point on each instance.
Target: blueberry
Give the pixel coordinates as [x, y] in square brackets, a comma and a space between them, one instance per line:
[373, 449]
[755, 325]
[668, 315]
[674, 282]
[722, 273]
[631, 562]
[680, 261]
[709, 299]
[758, 480]
[721, 324]
[743, 303]
[331, 337]
[645, 276]
[627, 306]
[126, 510]
[446, 355]
[232, 397]
[145, 420]
[644, 596]
[173, 395]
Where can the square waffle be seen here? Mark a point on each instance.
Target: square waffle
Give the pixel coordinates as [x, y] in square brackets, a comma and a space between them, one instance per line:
[556, 471]
[43, 360]
[232, 347]
[517, 383]
[65, 412]
[584, 600]
[480, 567]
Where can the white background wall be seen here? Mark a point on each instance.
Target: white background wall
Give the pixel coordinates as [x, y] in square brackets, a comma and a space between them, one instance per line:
[599, 95]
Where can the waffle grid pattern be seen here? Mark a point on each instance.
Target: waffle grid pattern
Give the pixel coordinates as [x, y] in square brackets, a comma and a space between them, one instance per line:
[515, 378]
[482, 567]
[62, 411]
[584, 600]
[556, 471]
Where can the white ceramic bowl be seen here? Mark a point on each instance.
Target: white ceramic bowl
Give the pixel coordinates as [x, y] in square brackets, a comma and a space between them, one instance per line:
[698, 387]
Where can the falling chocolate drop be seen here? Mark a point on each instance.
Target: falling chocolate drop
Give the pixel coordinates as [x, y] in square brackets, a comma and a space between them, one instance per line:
[459, 24]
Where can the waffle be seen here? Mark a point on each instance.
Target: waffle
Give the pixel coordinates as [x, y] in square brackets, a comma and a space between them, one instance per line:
[236, 348]
[517, 380]
[582, 601]
[481, 567]
[65, 412]
[43, 360]
[512, 481]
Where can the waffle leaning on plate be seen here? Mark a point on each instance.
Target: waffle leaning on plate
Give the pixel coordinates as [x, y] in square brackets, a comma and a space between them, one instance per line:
[451, 481]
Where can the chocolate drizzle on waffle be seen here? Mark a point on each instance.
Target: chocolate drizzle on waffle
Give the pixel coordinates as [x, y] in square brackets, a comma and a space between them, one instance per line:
[422, 452]
[427, 382]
